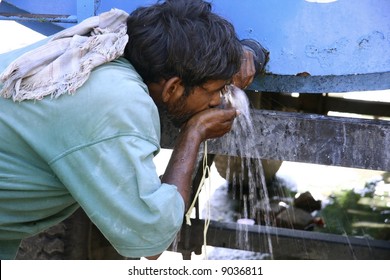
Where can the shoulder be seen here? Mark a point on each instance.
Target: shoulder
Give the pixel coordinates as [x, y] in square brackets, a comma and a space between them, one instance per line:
[116, 79]
[115, 94]
[118, 70]
[116, 85]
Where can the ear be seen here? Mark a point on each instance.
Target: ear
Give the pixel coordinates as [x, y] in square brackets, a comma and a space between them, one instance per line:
[172, 89]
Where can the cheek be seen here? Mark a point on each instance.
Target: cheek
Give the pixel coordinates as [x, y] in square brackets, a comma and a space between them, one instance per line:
[178, 113]
[186, 107]
[178, 109]
[198, 103]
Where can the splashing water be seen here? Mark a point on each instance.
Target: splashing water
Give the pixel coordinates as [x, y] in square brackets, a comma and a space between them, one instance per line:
[241, 139]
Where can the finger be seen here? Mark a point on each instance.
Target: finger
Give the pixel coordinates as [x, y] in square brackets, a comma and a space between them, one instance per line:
[231, 114]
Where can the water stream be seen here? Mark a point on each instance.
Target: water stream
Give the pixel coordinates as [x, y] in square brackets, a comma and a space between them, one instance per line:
[350, 214]
[251, 183]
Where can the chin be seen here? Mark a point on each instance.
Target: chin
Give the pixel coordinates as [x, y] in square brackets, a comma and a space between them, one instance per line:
[177, 122]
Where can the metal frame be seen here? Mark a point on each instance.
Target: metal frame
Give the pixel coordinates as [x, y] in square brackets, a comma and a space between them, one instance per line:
[322, 84]
[312, 138]
[286, 243]
[85, 9]
[48, 24]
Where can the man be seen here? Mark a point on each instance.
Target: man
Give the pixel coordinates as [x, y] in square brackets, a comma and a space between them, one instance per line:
[94, 149]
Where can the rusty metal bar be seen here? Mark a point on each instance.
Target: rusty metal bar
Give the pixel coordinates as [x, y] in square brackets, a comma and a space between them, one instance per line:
[286, 243]
[45, 28]
[85, 9]
[311, 138]
[322, 84]
[39, 17]
[315, 103]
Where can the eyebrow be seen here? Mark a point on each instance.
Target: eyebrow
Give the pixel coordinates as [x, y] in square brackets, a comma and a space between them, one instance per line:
[227, 82]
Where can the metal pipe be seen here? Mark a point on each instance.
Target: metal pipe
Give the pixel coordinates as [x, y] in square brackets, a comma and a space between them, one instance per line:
[286, 243]
[39, 17]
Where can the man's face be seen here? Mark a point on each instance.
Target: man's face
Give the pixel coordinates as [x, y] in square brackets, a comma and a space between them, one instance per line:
[199, 99]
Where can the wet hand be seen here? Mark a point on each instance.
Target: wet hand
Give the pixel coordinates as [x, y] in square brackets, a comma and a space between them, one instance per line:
[212, 123]
[247, 71]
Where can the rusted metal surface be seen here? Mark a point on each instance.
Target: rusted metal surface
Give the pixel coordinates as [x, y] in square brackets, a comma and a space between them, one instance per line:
[322, 84]
[323, 140]
[38, 17]
[313, 139]
[320, 104]
[286, 243]
[44, 27]
[48, 17]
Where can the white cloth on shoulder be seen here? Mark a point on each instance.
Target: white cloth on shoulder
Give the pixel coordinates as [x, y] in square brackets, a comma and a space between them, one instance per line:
[65, 62]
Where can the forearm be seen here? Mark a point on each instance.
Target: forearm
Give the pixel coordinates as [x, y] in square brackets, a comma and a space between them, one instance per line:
[208, 124]
[181, 165]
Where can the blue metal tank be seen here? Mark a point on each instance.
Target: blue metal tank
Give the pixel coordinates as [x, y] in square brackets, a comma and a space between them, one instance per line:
[320, 37]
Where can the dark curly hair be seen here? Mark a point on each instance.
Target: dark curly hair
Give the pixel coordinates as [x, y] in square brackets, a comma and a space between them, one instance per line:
[182, 38]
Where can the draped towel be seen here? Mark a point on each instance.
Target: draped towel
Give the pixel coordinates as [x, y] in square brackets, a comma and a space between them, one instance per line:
[65, 62]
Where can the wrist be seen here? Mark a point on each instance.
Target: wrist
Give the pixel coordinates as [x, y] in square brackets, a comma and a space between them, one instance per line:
[191, 134]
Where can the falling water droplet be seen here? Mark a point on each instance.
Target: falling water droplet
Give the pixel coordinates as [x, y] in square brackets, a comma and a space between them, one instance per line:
[241, 139]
